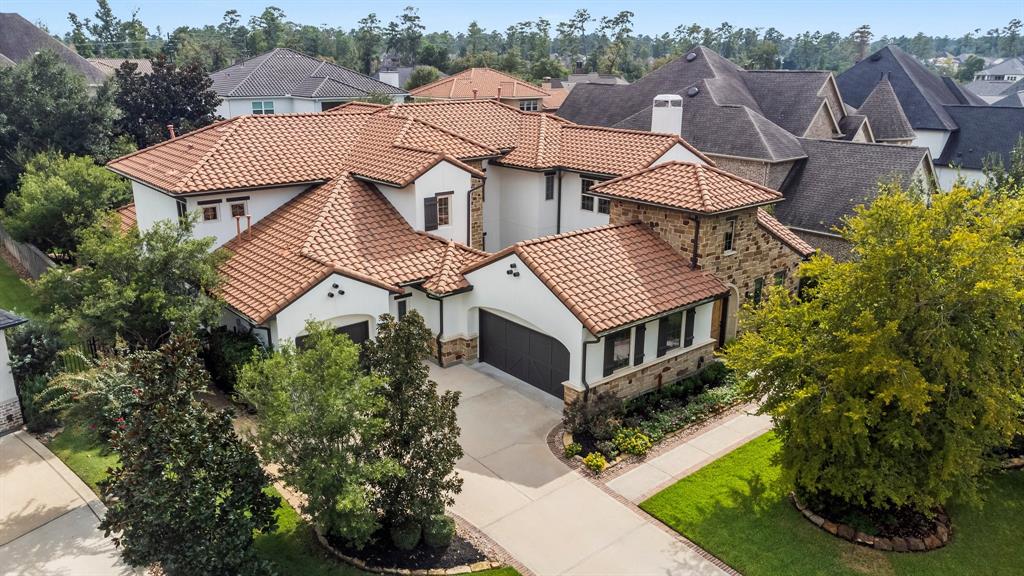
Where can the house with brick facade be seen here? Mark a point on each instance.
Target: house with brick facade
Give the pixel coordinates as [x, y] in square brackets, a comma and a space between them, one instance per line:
[491, 222]
[10, 406]
[766, 126]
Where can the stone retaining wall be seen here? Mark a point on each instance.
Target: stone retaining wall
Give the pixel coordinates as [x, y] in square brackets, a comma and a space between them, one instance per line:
[939, 537]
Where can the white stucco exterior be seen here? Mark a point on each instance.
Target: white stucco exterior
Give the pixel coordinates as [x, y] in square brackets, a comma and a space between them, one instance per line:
[444, 179]
[232, 107]
[947, 176]
[934, 140]
[7, 391]
[360, 302]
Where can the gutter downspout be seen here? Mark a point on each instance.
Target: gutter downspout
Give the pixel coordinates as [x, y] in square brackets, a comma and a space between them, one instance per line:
[558, 208]
[583, 373]
[440, 331]
[696, 241]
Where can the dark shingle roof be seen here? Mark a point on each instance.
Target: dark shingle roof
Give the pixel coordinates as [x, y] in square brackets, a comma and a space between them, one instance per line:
[921, 92]
[824, 188]
[9, 319]
[1016, 99]
[20, 40]
[284, 72]
[992, 87]
[1014, 65]
[850, 125]
[888, 122]
[789, 98]
[983, 130]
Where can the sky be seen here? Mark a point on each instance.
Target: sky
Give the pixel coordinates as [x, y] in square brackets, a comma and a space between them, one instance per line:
[886, 17]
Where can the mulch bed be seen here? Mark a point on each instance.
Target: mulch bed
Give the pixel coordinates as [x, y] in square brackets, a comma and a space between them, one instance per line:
[461, 552]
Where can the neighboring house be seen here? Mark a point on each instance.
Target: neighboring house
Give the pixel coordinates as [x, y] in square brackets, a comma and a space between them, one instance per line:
[1001, 84]
[110, 65]
[20, 40]
[10, 407]
[398, 76]
[935, 107]
[283, 81]
[1011, 69]
[760, 125]
[368, 209]
[1014, 96]
[484, 83]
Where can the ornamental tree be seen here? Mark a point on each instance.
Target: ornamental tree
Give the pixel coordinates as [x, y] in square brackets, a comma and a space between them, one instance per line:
[189, 494]
[899, 372]
[320, 420]
[420, 431]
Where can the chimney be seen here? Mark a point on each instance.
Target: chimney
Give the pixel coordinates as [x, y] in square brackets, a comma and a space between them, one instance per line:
[170, 128]
[667, 114]
[389, 77]
[499, 91]
[474, 93]
[579, 66]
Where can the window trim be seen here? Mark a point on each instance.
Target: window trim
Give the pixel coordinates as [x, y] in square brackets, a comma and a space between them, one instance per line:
[529, 105]
[665, 332]
[729, 239]
[549, 186]
[758, 290]
[446, 200]
[262, 107]
[243, 204]
[216, 212]
[689, 324]
[611, 365]
[604, 203]
[584, 198]
[402, 308]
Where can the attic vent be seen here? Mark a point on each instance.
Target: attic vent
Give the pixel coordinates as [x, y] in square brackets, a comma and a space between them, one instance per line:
[691, 56]
[692, 91]
[875, 57]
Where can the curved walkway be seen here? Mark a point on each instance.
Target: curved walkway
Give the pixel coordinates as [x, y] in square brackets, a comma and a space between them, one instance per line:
[549, 517]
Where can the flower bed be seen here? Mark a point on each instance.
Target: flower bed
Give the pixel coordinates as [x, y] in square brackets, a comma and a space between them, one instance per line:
[462, 556]
[605, 430]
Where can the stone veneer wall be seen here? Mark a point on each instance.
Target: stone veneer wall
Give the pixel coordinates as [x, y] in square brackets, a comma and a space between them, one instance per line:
[454, 351]
[10, 414]
[753, 170]
[821, 126]
[476, 208]
[652, 377]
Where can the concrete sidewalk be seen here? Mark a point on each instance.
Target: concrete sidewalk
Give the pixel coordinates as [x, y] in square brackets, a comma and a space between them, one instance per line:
[49, 518]
[651, 476]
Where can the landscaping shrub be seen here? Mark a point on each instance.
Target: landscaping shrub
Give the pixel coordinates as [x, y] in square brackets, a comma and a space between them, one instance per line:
[34, 348]
[596, 462]
[225, 353]
[37, 419]
[608, 448]
[700, 406]
[600, 416]
[438, 531]
[406, 535]
[632, 441]
[573, 450]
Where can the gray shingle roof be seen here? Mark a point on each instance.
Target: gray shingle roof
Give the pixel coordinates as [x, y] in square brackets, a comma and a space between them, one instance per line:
[921, 93]
[888, 122]
[1016, 99]
[21, 39]
[850, 125]
[723, 117]
[9, 319]
[1014, 65]
[824, 188]
[983, 130]
[789, 98]
[284, 72]
[991, 87]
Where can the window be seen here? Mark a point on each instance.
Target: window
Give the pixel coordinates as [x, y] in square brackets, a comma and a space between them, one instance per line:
[528, 105]
[604, 206]
[209, 213]
[238, 209]
[587, 184]
[691, 317]
[444, 210]
[549, 185]
[402, 306]
[587, 203]
[182, 208]
[758, 288]
[263, 107]
[669, 330]
[730, 234]
[616, 351]
[780, 277]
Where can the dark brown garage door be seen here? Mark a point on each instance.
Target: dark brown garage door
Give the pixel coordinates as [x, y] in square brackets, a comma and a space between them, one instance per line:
[358, 333]
[526, 354]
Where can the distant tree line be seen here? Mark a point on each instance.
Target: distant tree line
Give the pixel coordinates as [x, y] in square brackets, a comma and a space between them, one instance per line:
[531, 48]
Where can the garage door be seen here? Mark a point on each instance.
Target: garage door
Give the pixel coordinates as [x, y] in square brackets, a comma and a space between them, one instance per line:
[358, 333]
[526, 354]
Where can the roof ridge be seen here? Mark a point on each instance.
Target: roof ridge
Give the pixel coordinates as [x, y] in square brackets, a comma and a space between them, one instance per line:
[702, 186]
[209, 153]
[169, 140]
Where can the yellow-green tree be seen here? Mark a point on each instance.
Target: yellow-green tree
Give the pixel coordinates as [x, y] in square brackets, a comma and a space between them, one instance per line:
[896, 375]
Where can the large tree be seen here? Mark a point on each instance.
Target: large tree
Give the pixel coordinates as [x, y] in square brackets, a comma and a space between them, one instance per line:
[899, 372]
[421, 431]
[58, 197]
[134, 286]
[178, 96]
[320, 420]
[188, 494]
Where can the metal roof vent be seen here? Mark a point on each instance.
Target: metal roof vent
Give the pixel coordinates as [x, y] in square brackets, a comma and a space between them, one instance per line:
[692, 91]
[691, 56]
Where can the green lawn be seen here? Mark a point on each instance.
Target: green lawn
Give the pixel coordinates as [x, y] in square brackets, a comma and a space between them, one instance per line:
[292, 548]
[736, 509]
[14, 292]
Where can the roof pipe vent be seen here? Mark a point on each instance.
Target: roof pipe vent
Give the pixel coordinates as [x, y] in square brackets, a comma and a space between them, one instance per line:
[474, 93]
[667, 114]
[170, 129]
[691, 56]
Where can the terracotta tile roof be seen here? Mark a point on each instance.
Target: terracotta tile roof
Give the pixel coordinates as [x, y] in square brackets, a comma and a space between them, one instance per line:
[612, 276]
[344, 226]
[777, 229]
[689, 187]
[256, 151]
[488, 83]
[127, 217]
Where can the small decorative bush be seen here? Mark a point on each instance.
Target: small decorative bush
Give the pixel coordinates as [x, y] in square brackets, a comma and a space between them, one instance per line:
[596, 462]
[37, 418]
[34, 349]
[406, 535]
[225, 353]
[600, 416]
[573, 449]
[438, 531]
[608, 448]
[632, 441]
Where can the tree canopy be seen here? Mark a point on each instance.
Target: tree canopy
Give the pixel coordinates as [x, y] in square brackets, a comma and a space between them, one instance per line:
[896, 375]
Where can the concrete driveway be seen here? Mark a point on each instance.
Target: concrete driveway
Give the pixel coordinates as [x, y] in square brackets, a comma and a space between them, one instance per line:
[546, 515]
[48, 516]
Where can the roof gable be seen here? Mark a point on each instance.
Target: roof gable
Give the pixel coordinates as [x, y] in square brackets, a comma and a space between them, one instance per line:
[479, 83]
[883, 110]
[20, 40]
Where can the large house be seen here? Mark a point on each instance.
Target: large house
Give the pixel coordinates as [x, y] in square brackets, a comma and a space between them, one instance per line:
[617, 258]
[787, 130]
[484, 83]
[283, 81]
[20, 40]
[944, 115]
[998, 81]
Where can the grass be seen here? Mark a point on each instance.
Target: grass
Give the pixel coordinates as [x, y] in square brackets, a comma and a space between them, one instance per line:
[15, 294]
[736, 508]
[292, 548]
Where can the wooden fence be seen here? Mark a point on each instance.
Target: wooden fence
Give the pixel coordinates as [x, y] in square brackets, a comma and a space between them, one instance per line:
[29, 256]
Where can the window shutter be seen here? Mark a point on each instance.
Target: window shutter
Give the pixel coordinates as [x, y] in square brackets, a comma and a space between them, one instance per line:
[430, 213]
[638, 345]
[662, 335]
[691, 315]
[609, 355]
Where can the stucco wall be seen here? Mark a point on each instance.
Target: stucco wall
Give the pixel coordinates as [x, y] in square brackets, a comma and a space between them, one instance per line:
[360, 302]
[934, 140]
[443, 177]
[574, 217]
[948, 176]
[259, 205]
[152, 206]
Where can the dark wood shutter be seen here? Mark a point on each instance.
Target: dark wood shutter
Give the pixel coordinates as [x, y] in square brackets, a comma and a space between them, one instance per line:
[401, 309]
[691, 315]
[609, 355]
[638, 345]
[663, 329]
[430, 213]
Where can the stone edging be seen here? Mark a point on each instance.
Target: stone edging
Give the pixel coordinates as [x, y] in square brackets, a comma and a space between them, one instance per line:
[1012, 464]
[937, 539]
[362, 565]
